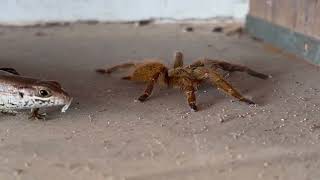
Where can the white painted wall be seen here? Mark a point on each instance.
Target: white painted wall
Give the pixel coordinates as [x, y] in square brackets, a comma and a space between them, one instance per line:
[31, 11]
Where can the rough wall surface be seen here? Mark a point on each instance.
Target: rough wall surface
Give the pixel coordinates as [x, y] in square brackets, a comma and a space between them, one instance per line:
[298, 15]
[31, 11]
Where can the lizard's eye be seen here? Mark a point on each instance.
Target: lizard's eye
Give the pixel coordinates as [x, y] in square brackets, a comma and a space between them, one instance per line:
[44, 93]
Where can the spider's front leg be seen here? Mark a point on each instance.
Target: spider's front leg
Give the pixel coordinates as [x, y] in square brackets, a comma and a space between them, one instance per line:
[191, 97]
[221, 83]
[115, 68]
[148, 90]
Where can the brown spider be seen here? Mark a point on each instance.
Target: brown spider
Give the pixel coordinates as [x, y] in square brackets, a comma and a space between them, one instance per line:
[186, 78]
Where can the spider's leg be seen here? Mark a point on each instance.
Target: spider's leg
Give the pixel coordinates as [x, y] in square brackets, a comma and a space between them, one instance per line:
[126, 78]
[191, 97]
[115, 68]
[234, 67]
[197, 63]
[221, 83]
[178, 59]
[149, 88]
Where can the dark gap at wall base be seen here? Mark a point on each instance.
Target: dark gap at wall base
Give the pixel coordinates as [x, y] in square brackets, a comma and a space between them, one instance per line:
[297, 43]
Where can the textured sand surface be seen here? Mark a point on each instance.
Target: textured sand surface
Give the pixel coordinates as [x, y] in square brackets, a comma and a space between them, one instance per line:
[107, 135]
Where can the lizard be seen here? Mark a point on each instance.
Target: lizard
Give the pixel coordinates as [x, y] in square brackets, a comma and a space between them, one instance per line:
[20, 93]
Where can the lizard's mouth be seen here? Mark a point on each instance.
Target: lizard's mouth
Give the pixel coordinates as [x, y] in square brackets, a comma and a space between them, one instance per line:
[65, 107]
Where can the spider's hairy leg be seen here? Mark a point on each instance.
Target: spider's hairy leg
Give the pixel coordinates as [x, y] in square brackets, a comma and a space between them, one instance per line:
[234, 67]
[149, 88]
[221, 83]
[126, 78]
[147, 92]
[178, 59]
[191, 97]
[115, 68]
[198, 63]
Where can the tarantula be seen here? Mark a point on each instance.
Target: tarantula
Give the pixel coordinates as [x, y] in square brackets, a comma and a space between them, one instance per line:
[186, 78]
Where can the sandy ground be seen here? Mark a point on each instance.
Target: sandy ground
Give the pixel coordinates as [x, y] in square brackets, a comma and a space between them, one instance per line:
[107, 135]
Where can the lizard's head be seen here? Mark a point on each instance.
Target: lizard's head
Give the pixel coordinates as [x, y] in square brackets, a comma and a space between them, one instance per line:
[45, 94]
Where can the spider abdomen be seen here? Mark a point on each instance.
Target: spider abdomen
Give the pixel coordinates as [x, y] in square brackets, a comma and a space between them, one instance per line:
[145, 72]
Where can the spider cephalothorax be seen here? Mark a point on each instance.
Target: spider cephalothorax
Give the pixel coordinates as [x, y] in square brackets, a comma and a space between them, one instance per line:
[187, 78]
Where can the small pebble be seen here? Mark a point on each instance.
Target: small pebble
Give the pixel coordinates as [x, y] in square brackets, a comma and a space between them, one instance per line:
[17, 172]
[188, 29]
[27, 164]
[266, 164]
[217, 29]
[40, 33]
[90, 118]
[183, 117]
[144, 22]
[239, 156]
[235, 136]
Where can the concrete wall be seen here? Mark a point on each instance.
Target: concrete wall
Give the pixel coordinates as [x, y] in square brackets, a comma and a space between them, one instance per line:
[292, 25]
[31, 11]
[297, 15]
